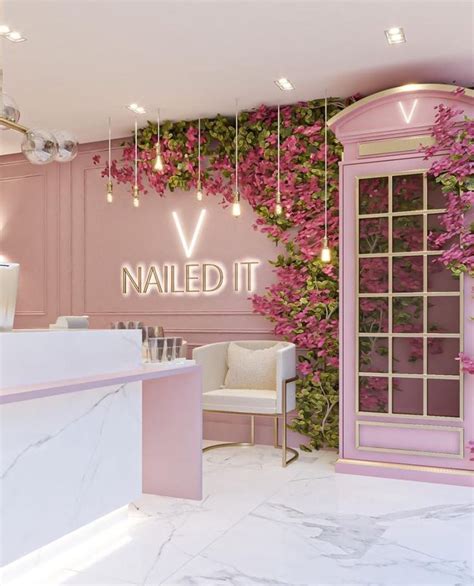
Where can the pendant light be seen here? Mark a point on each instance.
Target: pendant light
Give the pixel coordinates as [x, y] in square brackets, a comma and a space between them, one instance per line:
[136, 199]
[110, 187]
[158, 165]
[278, 206]
[236, 202]
[199, 193]
[325, 251]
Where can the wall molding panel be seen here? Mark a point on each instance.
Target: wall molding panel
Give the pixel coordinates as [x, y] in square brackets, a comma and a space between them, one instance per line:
[74, 257]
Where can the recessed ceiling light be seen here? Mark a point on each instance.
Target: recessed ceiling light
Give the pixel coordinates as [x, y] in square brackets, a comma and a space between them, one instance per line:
[4, 29]
[15, 37]
[395, 35]
[136, 108]
[284, 84]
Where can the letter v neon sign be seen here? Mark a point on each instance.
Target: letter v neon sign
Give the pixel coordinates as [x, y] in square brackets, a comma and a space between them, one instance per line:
[408, 116]
[188, 249]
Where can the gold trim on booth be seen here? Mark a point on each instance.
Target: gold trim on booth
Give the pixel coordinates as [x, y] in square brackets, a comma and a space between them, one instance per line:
[394, 145]
[414, 467]
[425, 295]
[411, 87]
[458, 430]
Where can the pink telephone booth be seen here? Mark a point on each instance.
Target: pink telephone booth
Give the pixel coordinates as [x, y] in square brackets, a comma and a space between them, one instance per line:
[407, 409]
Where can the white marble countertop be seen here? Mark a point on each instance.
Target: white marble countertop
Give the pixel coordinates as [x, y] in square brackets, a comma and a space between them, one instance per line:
[32, 357]
[146, 371]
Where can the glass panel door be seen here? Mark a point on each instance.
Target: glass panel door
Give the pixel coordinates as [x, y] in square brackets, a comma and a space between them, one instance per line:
[409, 305]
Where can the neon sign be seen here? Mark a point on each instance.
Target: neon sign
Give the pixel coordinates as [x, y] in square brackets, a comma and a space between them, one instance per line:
[208, 277]
[408, 116]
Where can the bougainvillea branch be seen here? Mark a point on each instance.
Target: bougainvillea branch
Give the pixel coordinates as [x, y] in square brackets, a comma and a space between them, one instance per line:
[303, 302]
[453, 167]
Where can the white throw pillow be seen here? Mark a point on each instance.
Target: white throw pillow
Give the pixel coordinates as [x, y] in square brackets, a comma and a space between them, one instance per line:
[251, 369]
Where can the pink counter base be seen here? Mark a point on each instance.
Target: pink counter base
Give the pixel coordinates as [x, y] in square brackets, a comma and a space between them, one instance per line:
[417, 473]
[172, 436]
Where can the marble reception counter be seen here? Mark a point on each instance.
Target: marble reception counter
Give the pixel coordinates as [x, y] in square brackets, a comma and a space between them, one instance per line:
[85, 428]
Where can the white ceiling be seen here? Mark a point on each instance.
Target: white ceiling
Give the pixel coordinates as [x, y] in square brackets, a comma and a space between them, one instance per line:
[85, 60]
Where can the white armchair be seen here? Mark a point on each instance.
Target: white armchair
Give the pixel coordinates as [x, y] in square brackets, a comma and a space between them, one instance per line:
[275, 402]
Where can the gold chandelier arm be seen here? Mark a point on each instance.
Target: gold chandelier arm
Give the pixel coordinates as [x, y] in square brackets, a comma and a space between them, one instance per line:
[13, 125]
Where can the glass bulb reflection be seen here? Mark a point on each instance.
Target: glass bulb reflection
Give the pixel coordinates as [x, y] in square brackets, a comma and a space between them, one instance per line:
[8, 109]
[136, 202]
[39, 146]
[67, 146]
[278, 209]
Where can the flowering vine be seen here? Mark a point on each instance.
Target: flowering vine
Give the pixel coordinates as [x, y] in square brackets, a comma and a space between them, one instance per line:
[303, 302]
[452, 168]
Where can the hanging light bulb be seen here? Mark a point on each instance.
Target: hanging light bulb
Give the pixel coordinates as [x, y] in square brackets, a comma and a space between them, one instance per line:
[236, 211]
[136, 191]
[158, 165]
[199, 194]
[325, 251]
[136, 199]
[110, 192]
[278, 206]
[110, 187]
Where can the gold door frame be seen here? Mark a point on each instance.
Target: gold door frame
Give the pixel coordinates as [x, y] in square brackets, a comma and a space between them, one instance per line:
[425, 294]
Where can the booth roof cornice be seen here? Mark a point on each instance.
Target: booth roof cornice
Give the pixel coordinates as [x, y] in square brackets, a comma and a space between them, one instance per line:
[408, 88]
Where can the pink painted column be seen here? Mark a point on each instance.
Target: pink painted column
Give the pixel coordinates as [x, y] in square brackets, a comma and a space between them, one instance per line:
[172, 435]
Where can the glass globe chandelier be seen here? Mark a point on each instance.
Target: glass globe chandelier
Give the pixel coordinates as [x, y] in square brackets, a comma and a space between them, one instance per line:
[39, 146]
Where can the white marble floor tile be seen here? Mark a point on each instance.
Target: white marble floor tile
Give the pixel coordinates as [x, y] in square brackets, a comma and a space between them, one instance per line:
[260, 524]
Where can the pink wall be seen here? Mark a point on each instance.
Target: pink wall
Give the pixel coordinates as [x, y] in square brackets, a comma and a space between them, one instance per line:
[71, 245]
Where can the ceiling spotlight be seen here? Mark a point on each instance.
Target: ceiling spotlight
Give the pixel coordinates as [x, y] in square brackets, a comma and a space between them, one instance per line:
[15, 37]
[284, 84]
[136, 109]
[395, 35]
[4, 29]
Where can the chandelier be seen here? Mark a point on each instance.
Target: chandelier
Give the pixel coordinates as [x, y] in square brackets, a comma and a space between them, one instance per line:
[39, 146]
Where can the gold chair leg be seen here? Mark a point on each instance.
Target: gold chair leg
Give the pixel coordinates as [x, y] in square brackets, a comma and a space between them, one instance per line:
[284, 447]
[284, 443]
[275, 431]
[236, 444]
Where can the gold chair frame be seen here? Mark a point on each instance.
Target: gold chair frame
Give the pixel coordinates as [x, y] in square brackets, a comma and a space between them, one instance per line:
[284, 445]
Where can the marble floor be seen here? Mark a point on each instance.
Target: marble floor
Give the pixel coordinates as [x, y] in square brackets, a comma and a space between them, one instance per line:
[260, 524]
